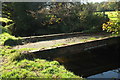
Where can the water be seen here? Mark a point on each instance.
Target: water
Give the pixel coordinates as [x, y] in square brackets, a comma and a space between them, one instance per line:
[96, 63]
[108, 74]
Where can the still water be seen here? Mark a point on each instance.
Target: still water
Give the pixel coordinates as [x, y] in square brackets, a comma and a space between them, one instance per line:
[108, 74]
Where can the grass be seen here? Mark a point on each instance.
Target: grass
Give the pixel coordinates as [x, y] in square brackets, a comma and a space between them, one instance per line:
[36, 68]
[15, 65]
[112, 15]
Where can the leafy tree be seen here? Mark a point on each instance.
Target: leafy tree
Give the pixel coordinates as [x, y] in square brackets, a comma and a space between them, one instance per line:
[45, 18]
[113, 26]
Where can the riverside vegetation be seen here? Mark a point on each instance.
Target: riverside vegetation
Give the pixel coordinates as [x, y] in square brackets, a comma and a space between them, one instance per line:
[15, 65]
[38, 20]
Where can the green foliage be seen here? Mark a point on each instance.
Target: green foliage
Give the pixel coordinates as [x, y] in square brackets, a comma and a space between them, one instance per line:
[7, 9]
[7, 39]
[16, 65]
[5, 20]
[113, 25]
[113, 15]
[56, 18]
[106, 6]
[92, 22]
[7, 24]
[37, 68]
[18, 73]
[25, 17]
[3, 29]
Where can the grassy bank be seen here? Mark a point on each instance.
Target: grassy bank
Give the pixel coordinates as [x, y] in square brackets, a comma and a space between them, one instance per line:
[112, 15]
[15, 65]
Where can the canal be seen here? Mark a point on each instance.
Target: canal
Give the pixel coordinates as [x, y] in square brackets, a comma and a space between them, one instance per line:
[102, 62]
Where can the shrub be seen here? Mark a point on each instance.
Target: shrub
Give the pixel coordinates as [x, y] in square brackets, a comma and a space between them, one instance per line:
[113, 27]
[7, 39]
[58, 18]
[91, 22]
[7, 25]
[3, 29]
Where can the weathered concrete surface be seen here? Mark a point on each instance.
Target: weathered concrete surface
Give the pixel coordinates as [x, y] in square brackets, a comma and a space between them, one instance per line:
[33, 39]
[63, 41]
[76, 48]
[50, 37]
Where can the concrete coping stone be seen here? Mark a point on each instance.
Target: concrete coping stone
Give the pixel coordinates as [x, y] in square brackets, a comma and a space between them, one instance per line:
[73, 44]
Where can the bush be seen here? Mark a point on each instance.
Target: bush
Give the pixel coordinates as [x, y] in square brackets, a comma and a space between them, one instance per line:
[39, 20]
[113, 27]
[3, 29]
[92, 22]
[7, 25]
[7, 39]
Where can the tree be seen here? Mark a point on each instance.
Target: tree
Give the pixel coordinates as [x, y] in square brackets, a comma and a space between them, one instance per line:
[45, 18]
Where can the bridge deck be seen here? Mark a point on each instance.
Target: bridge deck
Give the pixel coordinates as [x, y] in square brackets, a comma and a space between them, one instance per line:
[70, 39]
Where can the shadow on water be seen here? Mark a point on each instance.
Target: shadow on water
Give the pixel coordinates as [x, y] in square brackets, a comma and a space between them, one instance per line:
[93, 61]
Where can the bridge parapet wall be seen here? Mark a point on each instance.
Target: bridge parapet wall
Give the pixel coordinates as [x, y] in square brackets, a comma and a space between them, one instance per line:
[77, 48]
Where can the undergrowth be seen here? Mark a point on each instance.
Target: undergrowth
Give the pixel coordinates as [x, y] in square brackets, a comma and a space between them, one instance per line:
[7, 39]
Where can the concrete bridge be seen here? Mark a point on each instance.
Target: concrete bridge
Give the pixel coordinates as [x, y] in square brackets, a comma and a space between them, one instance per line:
[76, 48]
[86, 58]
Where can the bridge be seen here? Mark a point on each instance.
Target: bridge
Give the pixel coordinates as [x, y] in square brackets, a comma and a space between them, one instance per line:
[77, 48]
[97, 54]
[74, 48]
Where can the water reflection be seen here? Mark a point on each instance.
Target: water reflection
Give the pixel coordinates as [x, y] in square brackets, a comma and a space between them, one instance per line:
[109, 74]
